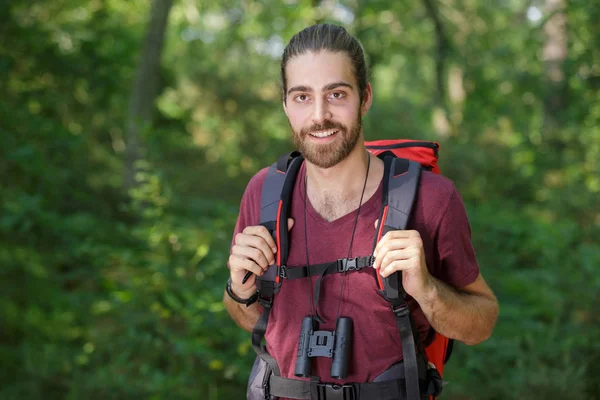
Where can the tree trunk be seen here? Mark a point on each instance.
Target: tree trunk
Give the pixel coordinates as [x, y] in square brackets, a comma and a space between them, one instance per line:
[555, 54]
[441, 115]
[145, 89]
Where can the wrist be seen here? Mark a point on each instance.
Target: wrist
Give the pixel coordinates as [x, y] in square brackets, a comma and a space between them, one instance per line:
[430, 291]
[242, 291]
[242, 297]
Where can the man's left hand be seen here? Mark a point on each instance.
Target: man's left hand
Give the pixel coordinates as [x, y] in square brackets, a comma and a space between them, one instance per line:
[403, 251]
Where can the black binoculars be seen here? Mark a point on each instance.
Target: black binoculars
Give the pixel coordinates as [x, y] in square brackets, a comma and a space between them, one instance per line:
[315, 343]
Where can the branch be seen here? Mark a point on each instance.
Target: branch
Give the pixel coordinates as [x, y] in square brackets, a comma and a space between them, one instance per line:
[442, 47]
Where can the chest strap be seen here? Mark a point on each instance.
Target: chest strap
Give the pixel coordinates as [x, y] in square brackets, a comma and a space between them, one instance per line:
[334, 267]
[320, 270]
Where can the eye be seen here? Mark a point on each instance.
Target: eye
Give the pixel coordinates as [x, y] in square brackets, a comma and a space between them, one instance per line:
[337, 95]
[301, 98]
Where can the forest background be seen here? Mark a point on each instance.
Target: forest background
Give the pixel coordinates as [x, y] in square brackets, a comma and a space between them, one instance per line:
[129, 130]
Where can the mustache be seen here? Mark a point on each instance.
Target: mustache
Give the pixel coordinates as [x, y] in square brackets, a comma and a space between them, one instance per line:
[322, 127]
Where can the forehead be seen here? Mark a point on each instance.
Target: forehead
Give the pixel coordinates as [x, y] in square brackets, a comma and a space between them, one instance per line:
[319, 69]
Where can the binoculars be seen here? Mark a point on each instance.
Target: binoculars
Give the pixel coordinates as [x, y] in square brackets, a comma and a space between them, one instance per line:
[315, 343]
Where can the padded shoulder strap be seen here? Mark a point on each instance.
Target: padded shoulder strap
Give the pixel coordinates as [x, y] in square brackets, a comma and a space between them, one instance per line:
[400, 184]
[274, 209]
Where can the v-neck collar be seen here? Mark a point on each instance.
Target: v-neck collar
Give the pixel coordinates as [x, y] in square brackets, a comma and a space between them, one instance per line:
[345, 219]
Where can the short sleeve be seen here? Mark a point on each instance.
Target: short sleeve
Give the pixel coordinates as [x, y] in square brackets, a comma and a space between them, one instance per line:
[249, 214]
[458, 263]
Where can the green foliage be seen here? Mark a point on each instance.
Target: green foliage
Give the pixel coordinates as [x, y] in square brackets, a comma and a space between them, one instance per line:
[114, 294]
[545, 277]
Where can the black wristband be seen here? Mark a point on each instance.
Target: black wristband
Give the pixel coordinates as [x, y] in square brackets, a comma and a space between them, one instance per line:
[247, 301]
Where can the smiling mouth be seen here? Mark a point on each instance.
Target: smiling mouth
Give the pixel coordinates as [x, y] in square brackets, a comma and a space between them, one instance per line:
[324, 134]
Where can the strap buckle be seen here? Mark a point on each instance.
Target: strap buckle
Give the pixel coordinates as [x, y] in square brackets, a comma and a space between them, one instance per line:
[400, 310]
[347, 264]
[330, 391]
[265, 301]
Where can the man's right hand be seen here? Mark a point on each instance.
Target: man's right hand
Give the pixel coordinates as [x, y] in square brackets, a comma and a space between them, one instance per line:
[253, 250]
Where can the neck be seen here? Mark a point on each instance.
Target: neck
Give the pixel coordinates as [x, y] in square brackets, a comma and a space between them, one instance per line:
[342, 178]
[344, 181]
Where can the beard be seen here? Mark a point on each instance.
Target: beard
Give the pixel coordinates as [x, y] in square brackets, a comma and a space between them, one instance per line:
[330, 154]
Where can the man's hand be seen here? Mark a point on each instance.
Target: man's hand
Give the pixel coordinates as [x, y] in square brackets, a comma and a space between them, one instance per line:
[253, 250]
[467, 314]
[403, 251]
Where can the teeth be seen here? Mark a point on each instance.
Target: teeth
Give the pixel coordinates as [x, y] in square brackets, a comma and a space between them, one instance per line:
[322, 134]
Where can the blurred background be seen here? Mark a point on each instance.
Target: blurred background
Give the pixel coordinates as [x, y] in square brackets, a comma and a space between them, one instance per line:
[129, 129]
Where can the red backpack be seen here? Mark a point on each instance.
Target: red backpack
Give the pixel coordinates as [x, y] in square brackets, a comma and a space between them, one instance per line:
[423, 361]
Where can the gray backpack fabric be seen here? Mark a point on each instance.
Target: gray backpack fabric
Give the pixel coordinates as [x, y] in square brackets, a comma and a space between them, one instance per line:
[255, 389]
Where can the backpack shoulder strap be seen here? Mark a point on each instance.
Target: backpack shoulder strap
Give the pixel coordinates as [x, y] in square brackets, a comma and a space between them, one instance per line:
[400, 184]
[274, 209]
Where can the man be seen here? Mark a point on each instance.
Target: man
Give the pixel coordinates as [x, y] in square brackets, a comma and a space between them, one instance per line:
[336, 203]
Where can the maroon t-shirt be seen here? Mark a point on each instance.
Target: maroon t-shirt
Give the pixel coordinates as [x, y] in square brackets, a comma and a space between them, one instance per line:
[440, 217]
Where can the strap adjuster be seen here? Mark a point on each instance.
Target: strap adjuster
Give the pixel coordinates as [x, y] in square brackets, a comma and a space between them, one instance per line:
[330, 391]
[265, 301]
[347, 264]
[401, 310]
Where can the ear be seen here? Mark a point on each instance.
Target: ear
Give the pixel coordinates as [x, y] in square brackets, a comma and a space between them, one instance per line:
[283, 102]
[367, 100]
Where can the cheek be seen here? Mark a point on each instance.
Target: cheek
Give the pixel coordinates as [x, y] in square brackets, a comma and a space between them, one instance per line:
[298, 117]
[350, 116]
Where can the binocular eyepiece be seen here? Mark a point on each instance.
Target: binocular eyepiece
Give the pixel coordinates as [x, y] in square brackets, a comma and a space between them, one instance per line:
[315, 343]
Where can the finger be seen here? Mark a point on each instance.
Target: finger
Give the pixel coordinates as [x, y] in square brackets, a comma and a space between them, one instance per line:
[402, 254]
[400, 239]
[384, 246]
[290, 223]
[261, 231]
[395, 266]
[256, 242]
[238, 263]
[254, 254]
[403, 234]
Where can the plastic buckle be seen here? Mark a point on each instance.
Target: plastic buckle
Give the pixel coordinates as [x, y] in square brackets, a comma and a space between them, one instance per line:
[400, 310]
[330, 391]
[265, 301]
[347, 264]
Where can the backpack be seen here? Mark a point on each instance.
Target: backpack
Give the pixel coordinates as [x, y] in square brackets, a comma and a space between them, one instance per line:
[423, 364]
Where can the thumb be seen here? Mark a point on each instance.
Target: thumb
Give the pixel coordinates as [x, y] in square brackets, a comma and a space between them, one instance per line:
[376, 223]
[290, 223]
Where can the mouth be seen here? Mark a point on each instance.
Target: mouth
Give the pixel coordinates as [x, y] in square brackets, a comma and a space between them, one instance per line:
[324, 134]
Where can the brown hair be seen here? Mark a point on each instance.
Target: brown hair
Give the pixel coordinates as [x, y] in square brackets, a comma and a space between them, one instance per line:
[328, 37]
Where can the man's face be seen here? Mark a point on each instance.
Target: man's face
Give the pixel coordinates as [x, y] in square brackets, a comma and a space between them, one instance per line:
[323, 106]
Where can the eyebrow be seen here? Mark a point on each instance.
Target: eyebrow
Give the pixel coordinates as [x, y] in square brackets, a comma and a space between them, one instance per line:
[326, 88]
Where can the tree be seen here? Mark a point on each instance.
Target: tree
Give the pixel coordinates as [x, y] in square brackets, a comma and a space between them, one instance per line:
[146, 87]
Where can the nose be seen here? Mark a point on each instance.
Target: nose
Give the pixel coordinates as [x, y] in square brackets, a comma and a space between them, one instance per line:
[321, 112]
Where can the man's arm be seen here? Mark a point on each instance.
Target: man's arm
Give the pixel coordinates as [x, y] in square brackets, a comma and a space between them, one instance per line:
[253, 250]
[244, 317]
[468, 314]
